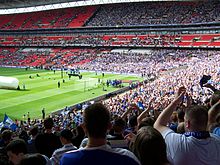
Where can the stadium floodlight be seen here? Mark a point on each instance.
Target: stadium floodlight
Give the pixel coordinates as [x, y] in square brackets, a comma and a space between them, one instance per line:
[8, 82]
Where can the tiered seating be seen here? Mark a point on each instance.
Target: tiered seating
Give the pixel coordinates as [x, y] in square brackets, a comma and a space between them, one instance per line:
[184, 44]
[189, 37]
[185, 40]
[215, 44]
[70, 57]
[19, 20]
[6, 21]
[208, 37]
[127, 14]
[7, 56]
[200, 43]
[82, 16]
[61, 18]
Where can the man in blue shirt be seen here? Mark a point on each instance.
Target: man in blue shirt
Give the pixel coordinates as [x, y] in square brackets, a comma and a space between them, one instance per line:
[96, 123]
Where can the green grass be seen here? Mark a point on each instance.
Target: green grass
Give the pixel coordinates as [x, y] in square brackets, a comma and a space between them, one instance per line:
[42, 92]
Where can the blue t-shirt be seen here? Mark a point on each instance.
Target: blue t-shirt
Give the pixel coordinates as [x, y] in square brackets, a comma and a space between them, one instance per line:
[216, 131]
[103, 155]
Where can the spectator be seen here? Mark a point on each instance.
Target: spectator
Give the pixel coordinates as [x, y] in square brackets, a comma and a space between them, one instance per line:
[24, 136]
[6, 137]
[117, 140]
[65, 138]
[43, 113]
[31, 142]
[96, 123]
[191, 147]
[132, 123]
[16, 150]
[214, 119]
[79, 136]
[150, 147]
[47, 142]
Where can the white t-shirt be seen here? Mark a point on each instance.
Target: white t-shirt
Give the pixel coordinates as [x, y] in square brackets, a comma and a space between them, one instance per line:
[182, 150]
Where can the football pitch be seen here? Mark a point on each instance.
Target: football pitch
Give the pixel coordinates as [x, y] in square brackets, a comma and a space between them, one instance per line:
[41, 91]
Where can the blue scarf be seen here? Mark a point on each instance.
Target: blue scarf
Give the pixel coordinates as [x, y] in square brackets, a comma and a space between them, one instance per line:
[198, 134]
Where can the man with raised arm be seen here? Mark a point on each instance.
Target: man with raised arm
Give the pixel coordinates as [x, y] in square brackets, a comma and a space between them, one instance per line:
[197, 146]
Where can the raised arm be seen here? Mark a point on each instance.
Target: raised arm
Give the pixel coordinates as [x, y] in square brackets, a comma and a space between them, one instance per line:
[124, 115]
[145, 112]
[164, 117]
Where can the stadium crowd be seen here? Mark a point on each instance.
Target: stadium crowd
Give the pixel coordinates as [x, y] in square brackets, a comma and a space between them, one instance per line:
[166, 13]
[125, 40]
[174, 119]
[126, 14]
[144, 120]
[99, 60]
[93, 40]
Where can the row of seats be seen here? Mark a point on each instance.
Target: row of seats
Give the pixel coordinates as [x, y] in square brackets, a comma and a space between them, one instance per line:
[61, 18]
[47, 57]
[181, 40]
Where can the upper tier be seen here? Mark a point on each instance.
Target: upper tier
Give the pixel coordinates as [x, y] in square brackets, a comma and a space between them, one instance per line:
[148, 13]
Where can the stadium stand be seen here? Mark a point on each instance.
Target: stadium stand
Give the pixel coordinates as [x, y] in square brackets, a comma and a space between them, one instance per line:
[145, 13]
[115, 40]
[170, 44]
[61, 18]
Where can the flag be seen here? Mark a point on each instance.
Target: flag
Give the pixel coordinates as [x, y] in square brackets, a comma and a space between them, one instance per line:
[1, 125]
[8, 122]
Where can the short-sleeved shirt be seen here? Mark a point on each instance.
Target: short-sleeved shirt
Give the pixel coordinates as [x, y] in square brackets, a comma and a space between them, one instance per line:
[182, 150]
[102, 155]
[216, 131]
[55, 159]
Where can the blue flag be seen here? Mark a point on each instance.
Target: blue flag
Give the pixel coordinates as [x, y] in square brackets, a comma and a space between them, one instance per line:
[9, 123]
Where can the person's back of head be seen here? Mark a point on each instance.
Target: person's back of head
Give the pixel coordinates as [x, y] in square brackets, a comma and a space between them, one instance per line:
[132, 121]
[119, 125]
[174, 117]
[7, 136]
[4, 128]
[79, 136]
[147, 121]
[34, 131]
[33, 159]
[16, 149]
[149, 146]
[196, 118]
[24, 135]
[214, 118]
[17, 146]
[96, 120]
[48, 123]
[66, 136]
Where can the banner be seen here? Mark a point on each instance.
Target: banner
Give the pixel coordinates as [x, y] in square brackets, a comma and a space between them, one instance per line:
[9, 123]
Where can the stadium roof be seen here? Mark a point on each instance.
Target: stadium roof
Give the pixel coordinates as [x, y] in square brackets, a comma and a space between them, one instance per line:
[8, 4]
[23, 6]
